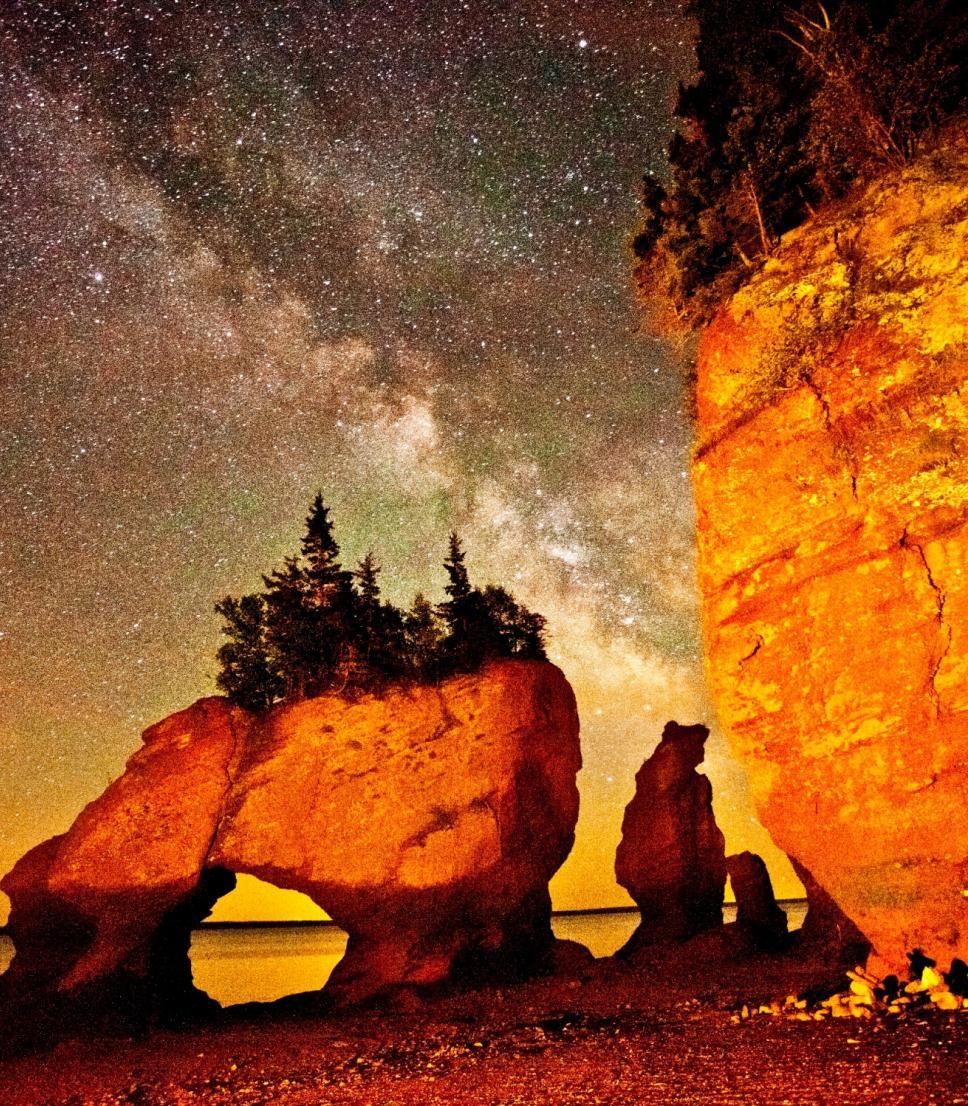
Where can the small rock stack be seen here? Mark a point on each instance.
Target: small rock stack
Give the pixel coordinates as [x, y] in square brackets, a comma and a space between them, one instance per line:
[758, 915]
[672, 856]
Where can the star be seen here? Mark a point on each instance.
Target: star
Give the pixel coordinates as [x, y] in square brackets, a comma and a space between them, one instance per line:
[376, 249]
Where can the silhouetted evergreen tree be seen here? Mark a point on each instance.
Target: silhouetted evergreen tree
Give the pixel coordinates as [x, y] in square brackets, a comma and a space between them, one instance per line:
[461, 614]
[246, 674]
[458, 585]
[332, 602]
[379, 628]
[511, 629]
[319, 628]
[292, 630]
[422, 639]
[483, 625]
[325, 577]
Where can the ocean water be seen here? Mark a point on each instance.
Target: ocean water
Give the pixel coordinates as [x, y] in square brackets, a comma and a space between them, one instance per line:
[262, 963]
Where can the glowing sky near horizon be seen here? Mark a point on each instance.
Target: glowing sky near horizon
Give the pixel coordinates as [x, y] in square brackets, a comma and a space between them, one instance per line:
[375, 248]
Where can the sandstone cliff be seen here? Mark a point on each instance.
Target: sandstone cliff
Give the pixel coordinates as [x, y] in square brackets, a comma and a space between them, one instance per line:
[426, 822]
[831, 479]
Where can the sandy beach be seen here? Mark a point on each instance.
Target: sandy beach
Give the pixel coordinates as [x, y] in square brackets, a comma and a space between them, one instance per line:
[663, 1035]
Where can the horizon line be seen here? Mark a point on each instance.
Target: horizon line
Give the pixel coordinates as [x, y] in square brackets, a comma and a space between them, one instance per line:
[294, 923]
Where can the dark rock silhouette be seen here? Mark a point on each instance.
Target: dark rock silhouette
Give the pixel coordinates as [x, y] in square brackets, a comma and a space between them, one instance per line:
[426, 822]
[757, 914]
[672, 858]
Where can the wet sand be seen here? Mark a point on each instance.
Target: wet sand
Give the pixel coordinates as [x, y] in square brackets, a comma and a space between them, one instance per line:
[662, 1035]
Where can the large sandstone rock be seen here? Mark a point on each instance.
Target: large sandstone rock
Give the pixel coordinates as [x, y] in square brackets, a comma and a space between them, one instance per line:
[831, 480]
[672, 858]
[427, 823]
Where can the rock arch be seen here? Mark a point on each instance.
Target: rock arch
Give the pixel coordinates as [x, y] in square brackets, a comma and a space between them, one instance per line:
[264, 955]
[427, 823]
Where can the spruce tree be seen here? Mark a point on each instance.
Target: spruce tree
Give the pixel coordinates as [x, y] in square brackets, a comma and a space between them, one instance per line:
[317, 628]
[332, 604]
[461, 648]
[327, 581]
[246, 674]
[458, 586]
[511, 630]
[380, 629]
[422, 639]
[291, 629]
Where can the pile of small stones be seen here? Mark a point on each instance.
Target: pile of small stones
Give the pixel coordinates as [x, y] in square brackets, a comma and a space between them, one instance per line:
[869, 997]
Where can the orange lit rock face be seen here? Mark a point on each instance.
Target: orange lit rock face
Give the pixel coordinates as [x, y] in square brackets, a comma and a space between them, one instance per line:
[831, 480]
[427, 823]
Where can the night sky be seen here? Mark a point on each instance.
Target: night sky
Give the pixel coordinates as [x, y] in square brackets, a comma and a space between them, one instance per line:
[248, 250]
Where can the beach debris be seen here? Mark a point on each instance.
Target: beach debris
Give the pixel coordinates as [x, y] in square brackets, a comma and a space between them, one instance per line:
[867, 997]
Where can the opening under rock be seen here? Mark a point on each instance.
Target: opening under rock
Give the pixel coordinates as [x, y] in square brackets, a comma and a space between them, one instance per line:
[261, 943]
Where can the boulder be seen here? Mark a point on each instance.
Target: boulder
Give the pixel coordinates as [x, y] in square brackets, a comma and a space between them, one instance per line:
[672, 857]
[757, 913]
[830, 475]
[427, 822]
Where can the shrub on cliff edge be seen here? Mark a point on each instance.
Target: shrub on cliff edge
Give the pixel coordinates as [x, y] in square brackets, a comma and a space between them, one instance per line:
[792, 106]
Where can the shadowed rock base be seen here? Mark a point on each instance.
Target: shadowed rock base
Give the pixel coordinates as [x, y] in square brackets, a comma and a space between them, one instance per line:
[826, 930]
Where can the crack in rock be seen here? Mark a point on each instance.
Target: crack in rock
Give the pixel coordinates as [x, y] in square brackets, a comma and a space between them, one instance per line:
[905, 542]
[841, 448]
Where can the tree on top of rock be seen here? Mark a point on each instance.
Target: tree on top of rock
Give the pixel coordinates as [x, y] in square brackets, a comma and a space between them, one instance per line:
[379, 626]
[483, 625]
[423, 635]
[459, 612]
[318, 628]
[324, 573]
[512, 630]
[296, 650]
[246, 673]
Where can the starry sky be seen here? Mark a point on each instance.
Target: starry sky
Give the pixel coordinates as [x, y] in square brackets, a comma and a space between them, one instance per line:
[379, 248]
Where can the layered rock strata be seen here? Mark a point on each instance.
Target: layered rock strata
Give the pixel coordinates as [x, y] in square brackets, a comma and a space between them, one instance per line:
[831, 481]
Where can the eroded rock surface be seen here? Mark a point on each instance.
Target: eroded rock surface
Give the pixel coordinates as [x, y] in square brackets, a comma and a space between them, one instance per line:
[672, 858]
[831, 481]
[427, 823]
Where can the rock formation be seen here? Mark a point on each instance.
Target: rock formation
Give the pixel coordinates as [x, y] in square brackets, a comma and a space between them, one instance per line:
[757, 913]
[671, 858]
[831, 479]
[427, 823]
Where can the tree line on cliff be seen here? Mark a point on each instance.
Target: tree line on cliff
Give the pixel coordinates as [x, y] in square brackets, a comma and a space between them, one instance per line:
[792, 106]
[317, 627]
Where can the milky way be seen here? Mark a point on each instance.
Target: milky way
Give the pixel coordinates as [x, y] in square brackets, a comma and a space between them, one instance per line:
[377, 248]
